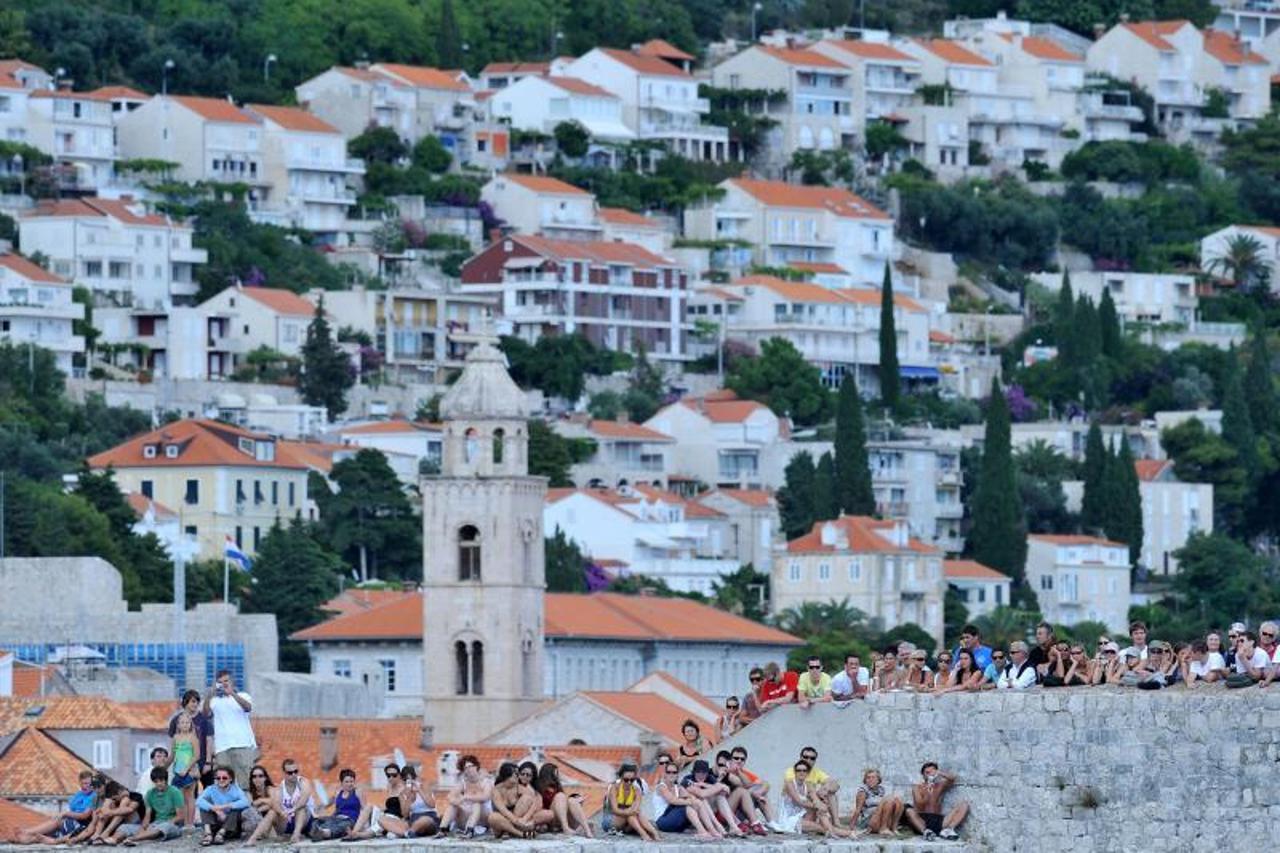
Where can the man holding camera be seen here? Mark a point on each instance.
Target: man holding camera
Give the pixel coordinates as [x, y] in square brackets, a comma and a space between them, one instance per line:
[234, 745]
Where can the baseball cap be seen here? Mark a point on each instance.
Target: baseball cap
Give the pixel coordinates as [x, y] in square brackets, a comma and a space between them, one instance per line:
[1238, 627]
[1111, 647]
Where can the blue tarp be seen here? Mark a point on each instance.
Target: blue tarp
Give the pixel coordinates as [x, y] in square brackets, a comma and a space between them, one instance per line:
[908, 372]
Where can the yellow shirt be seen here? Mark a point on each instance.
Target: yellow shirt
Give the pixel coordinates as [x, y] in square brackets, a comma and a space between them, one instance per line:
[816, 776]
[811, 689]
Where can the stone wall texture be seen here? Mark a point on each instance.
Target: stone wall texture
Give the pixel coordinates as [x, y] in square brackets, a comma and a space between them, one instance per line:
[1077, 770]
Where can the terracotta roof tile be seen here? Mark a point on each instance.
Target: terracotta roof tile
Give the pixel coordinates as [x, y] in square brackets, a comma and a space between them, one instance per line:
[28, 270]
[751, 497]
[544, 184]
[121, 209]
[971, 569]
[711, 708]
[67, 95]
[363, 74]
[599, 251]
[75, 712]
[121, 93]
[15, 817]
[1043, 48]
[601, 615]
[648, 710]
[1262, 229]
[422, 77]
[356, 599]
[516, 68]
[664, 49]
[27, 679]
[622, 216]
[1154, 32]
[723, 409]
[140, 504]
[395, 426]
[644, 64]
[214, 109]
[1074, 539]
[793, 291]
[801, 57]
[1151, 469]
[872, 50]
[200, 443]
[840, 202]
[864, 535]
[952, 52]
[939, 337]
[281, 301]
[634, 432]
[818, 267]
[580, 87]
[869, 296]
[35, 765]
[293, 118]
[720, 293]
[1230, 50]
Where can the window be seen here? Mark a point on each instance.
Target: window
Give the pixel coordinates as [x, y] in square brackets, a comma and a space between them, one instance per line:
[477, 668]
[141, 757]
[982, 593]
[469, 553]
[793, 573]
[239, 536]
[388, 675]
[342, 668]
[999, 595]
[148, 489]
[855, 570]
[240, 497]
[291, 485]
[462, 668]
[824, 571]
[499, 445]
[149, 451]
[257, 492]
[1046, 582]
[193, 492]
[102, 754]
[472, 446]
[171, 451]
[275, 493]
[190, 530]
[257, 537]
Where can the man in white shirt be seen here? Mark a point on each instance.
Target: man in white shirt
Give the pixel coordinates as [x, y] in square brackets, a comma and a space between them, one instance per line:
[1020, 674]
[852, 682]
[1252, 663]
[234, 744]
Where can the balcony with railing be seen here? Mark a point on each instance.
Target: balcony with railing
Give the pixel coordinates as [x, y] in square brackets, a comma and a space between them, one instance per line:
[892, 509]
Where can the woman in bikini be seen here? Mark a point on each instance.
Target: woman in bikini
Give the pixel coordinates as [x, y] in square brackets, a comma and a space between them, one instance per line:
[567, 809]
[505, 819]
[625, 802]
[414, 816]
[262, 805]
[692, 747]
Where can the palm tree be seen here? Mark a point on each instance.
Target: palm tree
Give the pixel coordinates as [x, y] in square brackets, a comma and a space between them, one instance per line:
[1003, 625]
[811, 618]
[1242, 261]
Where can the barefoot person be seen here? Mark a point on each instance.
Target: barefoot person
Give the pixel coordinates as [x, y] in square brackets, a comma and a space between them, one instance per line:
[408, 814]
[165, 811]
[567, 808]
[682, 810]
[873, 810]
[72, 820]
[506, 819]
[469, 806]
[624, 803]
[927, 816]
[802, 810]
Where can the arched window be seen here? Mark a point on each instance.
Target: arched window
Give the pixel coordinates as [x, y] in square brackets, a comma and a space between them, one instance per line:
[477, 668]
[462, 663]
[472, 445]
[469, 553]
[499, 445]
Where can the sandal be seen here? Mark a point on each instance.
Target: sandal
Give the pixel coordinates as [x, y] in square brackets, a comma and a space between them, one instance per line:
[220, 837]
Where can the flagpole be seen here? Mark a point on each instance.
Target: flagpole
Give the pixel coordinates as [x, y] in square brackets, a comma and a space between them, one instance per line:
[226, 578]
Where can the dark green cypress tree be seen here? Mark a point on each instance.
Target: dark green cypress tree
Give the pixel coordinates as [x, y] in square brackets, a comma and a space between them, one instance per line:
[890, 381]
[854, 494]
[998, 537]
[1093, 510]
[1237, 425]
[1259, 385]
[1064, 312]
[1125, 513]
[796, 498]
[824, 489]
[1086, 337]
[1109, 324]
[327, 372]
[448, 38]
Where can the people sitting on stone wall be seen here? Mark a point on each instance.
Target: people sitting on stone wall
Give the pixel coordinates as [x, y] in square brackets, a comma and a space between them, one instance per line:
[925, 812]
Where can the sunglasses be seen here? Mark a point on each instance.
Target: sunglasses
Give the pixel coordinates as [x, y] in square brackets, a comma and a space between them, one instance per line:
[1268, 634]
[671, 771]
[809, 757]
[525, 774]
[258, 775]
[756, 679]
[393, 775]
[732, 707]
[222, 778]
[291, 772]
[997, 657]
[819, 666]
[738, 758]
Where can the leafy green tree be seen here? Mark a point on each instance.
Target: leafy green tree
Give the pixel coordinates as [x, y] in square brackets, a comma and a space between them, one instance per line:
[449, 37]
[782, 380]
[646, 585]
[854, 494]
[293, 574]
[15, 41]
[824, 489]
[1086, 334]
[1221, 581]
[1123, 522]
[998, 537]
[556, 365]
[327, 372]
[890, 379]
[566, 567]
[1109, 325]
[883, 139]
[646, 388]
[430, 154]
[1040, 472]
[551, 454]
[1259, 385]
[368, 520]
[908, 632]
[1242, 261]
[955, 615]
[1200, 456]
[605, 405]
[379, 144]
[744, 592]
[572, 139]
[1005, 624]
[1252, 156]
[146, 569]
[796, 499]
[1093, 505]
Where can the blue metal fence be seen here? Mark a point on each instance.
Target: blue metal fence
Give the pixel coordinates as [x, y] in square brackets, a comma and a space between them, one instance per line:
[166, 658]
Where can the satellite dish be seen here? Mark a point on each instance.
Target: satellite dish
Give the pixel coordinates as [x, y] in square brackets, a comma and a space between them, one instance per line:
[399, 757]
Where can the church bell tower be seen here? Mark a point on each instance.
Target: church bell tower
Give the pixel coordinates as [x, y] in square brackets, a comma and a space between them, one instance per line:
[482, 562]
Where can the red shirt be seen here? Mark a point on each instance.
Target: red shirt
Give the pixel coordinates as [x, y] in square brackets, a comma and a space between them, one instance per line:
[787, 685]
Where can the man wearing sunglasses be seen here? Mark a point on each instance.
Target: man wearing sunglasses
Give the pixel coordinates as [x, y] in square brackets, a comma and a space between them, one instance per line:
[750, 711]
[814, 685]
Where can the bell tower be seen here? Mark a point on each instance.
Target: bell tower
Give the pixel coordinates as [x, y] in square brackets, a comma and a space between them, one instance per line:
[482, 562]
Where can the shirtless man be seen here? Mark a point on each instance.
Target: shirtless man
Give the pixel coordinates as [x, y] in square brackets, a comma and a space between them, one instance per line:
[926, 816]
[469, 808]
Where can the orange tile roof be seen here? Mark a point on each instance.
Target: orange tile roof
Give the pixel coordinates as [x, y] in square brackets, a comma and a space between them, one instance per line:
[316, 455]
[29, 270]
[121, 93]
[1262, 229]
[36, 765]
[421, 77]
[649, 711]
[357, 599]
[751, 497]
[214, 109]
[939, 337]
[800, 56]
[1153, 32]
[663, 49]
[872, 50]
[516, 68]
[293, 118]
[599, 251]
[622, 216]
[644, 64]
[869, 296]
[77, 712]
[1074, 539]
[580, 87]
[1043, 48]
[723, 410]
[201, 443]
[140, 504]
[633, 432]
[691, 508]
[279, 300]
[971, 569]
[841, 202]
[544, 184]
[27, 679]
[1230, 50]
[818, 267]
[864, 535]
[397, 426]
[115, 208]
[67, 95]
[713, 710]
[363, 74]
[721, 293]
[793, 291]
[600, 615]
[952, 52]
[1151, 469]
[15, 817]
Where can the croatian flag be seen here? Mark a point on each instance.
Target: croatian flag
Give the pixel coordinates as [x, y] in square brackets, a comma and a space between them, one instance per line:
[235, 555]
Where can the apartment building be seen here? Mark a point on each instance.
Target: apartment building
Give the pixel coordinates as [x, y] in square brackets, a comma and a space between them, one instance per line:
[224, 482]
[538, 104]
[787, 222]
[500, 75]
[883, 80]
[618, 295]
[127, 255]
[36, 310]
[625, 453]
[305, 161]
[981, 588]
[75, 128]
[355, 99]
[1079, 578]
[836, 330]
[263, 317]
[1068, 437]
[537, 204]
[177, 342]
[723, 441]
[643, 530]
[1215, 246]
[874, 564]
[659, 100]
[817, 111]
[647, 231]
[920, 482]
[420, 333]
[1138, 297]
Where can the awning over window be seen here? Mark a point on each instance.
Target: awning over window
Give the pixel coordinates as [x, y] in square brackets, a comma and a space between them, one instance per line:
[908, 372]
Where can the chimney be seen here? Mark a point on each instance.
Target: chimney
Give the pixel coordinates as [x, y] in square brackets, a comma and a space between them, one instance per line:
[1124, 17]
[426, 737]
[362, 63]
[328, 747]
[650, 743]
[1098, 31]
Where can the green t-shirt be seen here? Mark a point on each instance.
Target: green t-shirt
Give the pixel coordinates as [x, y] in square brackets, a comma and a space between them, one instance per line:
[164, 806]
